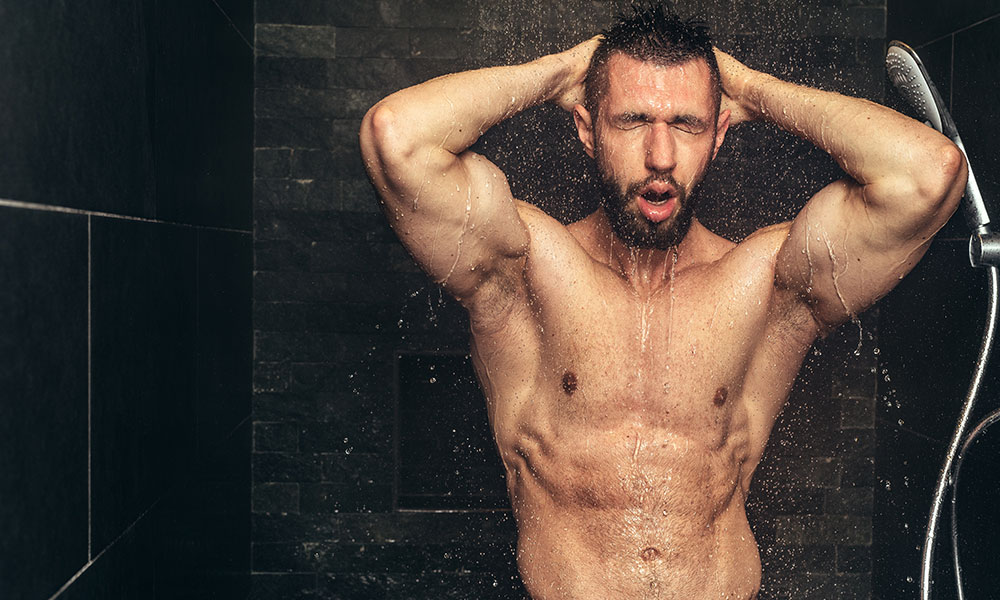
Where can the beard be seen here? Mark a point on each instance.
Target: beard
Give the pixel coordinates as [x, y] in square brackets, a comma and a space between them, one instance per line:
[629, 224]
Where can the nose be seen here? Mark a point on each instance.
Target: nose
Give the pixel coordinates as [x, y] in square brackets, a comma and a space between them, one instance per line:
[660, 150]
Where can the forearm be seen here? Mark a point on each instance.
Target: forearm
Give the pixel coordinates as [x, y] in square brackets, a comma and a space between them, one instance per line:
[872, 143]
[453, 111]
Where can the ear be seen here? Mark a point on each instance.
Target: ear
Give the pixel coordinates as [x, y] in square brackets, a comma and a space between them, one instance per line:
[721, 127]
[584, 128]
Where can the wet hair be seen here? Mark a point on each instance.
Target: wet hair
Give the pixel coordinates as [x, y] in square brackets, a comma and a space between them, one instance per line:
[651, 33]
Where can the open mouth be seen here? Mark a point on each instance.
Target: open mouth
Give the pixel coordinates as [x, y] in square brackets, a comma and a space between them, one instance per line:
[657, 201]
[658, 193]
[657, 198]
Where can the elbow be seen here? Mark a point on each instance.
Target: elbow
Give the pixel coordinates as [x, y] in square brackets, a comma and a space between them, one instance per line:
[942, 179]
[381, 137]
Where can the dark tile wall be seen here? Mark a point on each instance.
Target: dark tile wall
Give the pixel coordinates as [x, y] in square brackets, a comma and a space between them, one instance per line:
[125, 299]
[347, 329]
[931, 329]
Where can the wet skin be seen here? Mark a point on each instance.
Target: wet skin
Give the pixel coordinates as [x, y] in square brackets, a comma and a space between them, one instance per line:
[631, 392]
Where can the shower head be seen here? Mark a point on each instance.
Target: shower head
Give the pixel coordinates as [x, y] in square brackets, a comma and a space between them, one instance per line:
[911, 80]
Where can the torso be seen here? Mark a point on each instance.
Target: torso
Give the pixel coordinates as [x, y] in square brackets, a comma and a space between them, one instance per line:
[630, 424]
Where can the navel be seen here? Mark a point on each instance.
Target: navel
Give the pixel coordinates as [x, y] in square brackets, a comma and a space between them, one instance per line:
[720, 396]
[569, 383]
[649, 554]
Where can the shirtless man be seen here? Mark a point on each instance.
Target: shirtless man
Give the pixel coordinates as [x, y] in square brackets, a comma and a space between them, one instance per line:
[634, 362]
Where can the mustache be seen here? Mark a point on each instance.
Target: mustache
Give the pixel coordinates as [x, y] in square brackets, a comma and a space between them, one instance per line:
[633, 189]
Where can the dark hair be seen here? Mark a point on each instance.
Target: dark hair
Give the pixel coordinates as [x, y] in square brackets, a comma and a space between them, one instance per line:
[653, 33]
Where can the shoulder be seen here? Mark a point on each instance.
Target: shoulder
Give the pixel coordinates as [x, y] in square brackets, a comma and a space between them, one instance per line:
[756, 253]
[765, 242]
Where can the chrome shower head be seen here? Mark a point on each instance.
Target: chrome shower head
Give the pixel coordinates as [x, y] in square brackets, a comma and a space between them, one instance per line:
[911, 80]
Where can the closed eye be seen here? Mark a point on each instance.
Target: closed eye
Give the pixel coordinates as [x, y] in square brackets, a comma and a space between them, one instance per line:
[689, 124]
[630, 120]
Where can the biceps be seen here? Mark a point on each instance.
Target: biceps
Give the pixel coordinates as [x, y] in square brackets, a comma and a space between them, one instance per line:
[456, 217]
[844, 253]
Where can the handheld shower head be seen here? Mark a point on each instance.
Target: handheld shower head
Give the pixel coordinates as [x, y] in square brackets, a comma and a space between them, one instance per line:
[911, 80]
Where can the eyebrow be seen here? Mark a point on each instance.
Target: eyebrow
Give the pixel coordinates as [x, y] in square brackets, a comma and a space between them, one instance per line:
[684, 119]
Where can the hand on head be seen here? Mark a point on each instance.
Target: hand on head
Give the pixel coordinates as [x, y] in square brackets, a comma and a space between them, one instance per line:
[578, 59]
[734, 76]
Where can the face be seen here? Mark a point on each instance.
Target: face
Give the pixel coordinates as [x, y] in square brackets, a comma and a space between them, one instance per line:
[654, 136]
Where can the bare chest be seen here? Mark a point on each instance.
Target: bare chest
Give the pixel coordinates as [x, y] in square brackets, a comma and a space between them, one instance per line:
[675, 360]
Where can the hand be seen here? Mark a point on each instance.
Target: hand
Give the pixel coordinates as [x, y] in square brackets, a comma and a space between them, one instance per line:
[576, 59]
[735, 76]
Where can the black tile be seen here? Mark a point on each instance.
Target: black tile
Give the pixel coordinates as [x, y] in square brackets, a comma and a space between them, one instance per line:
[143, 366]
[929, 335]
[919, 21]
[224, 333]
[976, 85]
[203, 528]
[978, 496]
[124, 570]
[348, 13]
[202, 116]
[906, 468]
[74, 127]
[283, 586]
[43, 414]
[447, 457]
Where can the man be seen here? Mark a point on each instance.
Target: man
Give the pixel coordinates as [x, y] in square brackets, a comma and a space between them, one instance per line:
[633, 362]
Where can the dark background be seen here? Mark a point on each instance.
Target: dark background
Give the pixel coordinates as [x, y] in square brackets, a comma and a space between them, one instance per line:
[126, 139]
[126, 265]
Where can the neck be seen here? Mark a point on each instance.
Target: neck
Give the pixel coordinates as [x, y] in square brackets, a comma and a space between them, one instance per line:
[648, 270]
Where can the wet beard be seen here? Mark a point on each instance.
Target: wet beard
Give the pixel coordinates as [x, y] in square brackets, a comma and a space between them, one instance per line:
[635, 230]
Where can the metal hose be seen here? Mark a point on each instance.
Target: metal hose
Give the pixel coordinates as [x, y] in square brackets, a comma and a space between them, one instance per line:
[989, 420]
[945, 477]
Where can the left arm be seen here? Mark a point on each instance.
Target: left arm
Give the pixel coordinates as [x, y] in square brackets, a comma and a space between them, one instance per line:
[856, 238]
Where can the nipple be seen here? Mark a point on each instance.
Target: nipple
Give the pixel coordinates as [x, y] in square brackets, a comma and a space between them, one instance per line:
[720, 396]
[569, 383]
[649, 553]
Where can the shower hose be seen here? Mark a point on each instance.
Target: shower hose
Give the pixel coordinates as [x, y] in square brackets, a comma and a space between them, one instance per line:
[956, 453]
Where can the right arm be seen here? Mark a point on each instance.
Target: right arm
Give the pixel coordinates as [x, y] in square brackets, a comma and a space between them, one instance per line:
[452, 208]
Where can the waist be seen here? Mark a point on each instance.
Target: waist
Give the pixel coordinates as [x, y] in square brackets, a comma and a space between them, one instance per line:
[616, 555]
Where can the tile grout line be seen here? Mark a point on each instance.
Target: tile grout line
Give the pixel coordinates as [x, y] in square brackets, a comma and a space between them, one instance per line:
[232, 24]
[92, 213]
[959, 30]
[93, 560]
[951, 76]
[197, 342]
[90, 392]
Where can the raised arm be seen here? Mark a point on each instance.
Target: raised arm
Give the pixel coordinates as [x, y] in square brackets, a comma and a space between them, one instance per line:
[857, 237]
[450, 207]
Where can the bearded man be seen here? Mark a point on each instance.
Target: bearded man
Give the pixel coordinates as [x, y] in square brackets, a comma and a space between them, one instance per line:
[634, 362]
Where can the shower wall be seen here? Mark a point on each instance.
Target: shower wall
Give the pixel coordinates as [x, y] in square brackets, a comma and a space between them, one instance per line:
[932, 326]
[373, 472]
[125, 282]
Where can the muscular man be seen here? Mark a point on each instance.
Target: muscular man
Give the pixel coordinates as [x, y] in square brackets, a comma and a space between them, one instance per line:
[634, 362]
